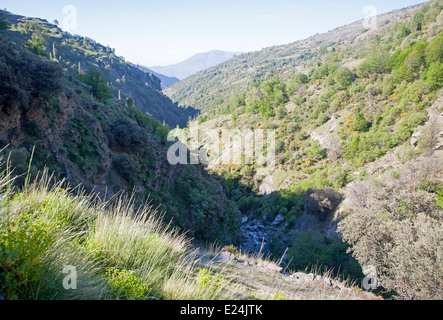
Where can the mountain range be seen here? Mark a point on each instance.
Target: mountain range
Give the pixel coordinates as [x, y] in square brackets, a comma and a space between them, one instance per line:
[166, 81]
[194, 64]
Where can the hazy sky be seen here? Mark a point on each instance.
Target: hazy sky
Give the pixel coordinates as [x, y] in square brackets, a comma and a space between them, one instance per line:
[164, 32]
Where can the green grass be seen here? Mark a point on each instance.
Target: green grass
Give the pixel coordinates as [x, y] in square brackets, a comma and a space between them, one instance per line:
[119, 252]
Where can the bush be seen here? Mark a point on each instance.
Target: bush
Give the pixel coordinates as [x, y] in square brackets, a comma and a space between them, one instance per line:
[278, 296]
[359, 123]
[400, 233]
[207, 281]
[310, 248]
[98, 83]
[128, 136]
[126, 167]
[126, 285]
[4, 24]
[25, 76]
[434, 75]
[321, 202]
[344, 78]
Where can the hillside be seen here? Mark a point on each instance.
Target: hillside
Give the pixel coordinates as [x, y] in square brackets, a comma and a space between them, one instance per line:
[80, 54]
[90, 138]
[215, 86]
[166, 81]
[194, 64]
[120, 252]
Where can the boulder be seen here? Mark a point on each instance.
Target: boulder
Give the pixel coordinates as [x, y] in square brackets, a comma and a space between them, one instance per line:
[278, 220]
[225, 257]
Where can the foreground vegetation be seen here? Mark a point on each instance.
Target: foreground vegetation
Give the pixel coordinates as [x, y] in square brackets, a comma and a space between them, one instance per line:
[119, 252]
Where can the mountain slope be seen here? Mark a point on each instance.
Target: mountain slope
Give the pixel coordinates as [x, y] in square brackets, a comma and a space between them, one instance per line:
[214, 86]
[105, 145]
[196, 63]
[338, 103]
[81, 54]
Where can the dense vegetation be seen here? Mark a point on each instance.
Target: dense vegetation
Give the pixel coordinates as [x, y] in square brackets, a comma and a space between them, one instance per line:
[119, 252]
[343, 106]
[336, 107]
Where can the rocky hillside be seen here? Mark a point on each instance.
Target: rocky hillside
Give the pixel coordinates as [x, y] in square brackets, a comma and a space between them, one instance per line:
[214, 87]
[357, 186]
[95, 140]
[357, 120]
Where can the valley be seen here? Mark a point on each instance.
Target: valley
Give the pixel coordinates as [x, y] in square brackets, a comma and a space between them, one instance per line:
[355, 190]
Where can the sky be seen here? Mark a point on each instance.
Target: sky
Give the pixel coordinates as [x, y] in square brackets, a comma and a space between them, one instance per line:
[164, 32]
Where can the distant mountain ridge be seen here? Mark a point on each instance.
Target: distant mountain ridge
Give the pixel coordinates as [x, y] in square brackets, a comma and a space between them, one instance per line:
[196, 63]
[166, 81]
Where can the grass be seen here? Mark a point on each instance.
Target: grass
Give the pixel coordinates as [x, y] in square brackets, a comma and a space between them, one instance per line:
[118, 251]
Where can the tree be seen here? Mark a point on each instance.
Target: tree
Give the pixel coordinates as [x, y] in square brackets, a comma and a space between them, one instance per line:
[163, 131]
[301, 78]
[316, 151]
[4, 24]
[359, 123]
[100, 87]
[434, 52]
[399, 232]
[344, 78]
[37, 45]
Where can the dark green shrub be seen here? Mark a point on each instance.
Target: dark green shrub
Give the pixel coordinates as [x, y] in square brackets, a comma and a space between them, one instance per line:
[321, 202]
[312, 249]
[98, 83]
[126, 167]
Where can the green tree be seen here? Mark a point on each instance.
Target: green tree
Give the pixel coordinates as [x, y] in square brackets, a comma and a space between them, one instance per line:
[344, 77]
[163, 131]
[301, 78]
[434, 52]
[100, 87]
[359, 123]
[37, 45]
[4, 24]
[434, 75]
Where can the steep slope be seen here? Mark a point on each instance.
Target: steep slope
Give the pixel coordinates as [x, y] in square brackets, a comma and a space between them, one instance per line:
[196, 63]
[104, 145]
[337, 103]
[214, 86]
[81, 54]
